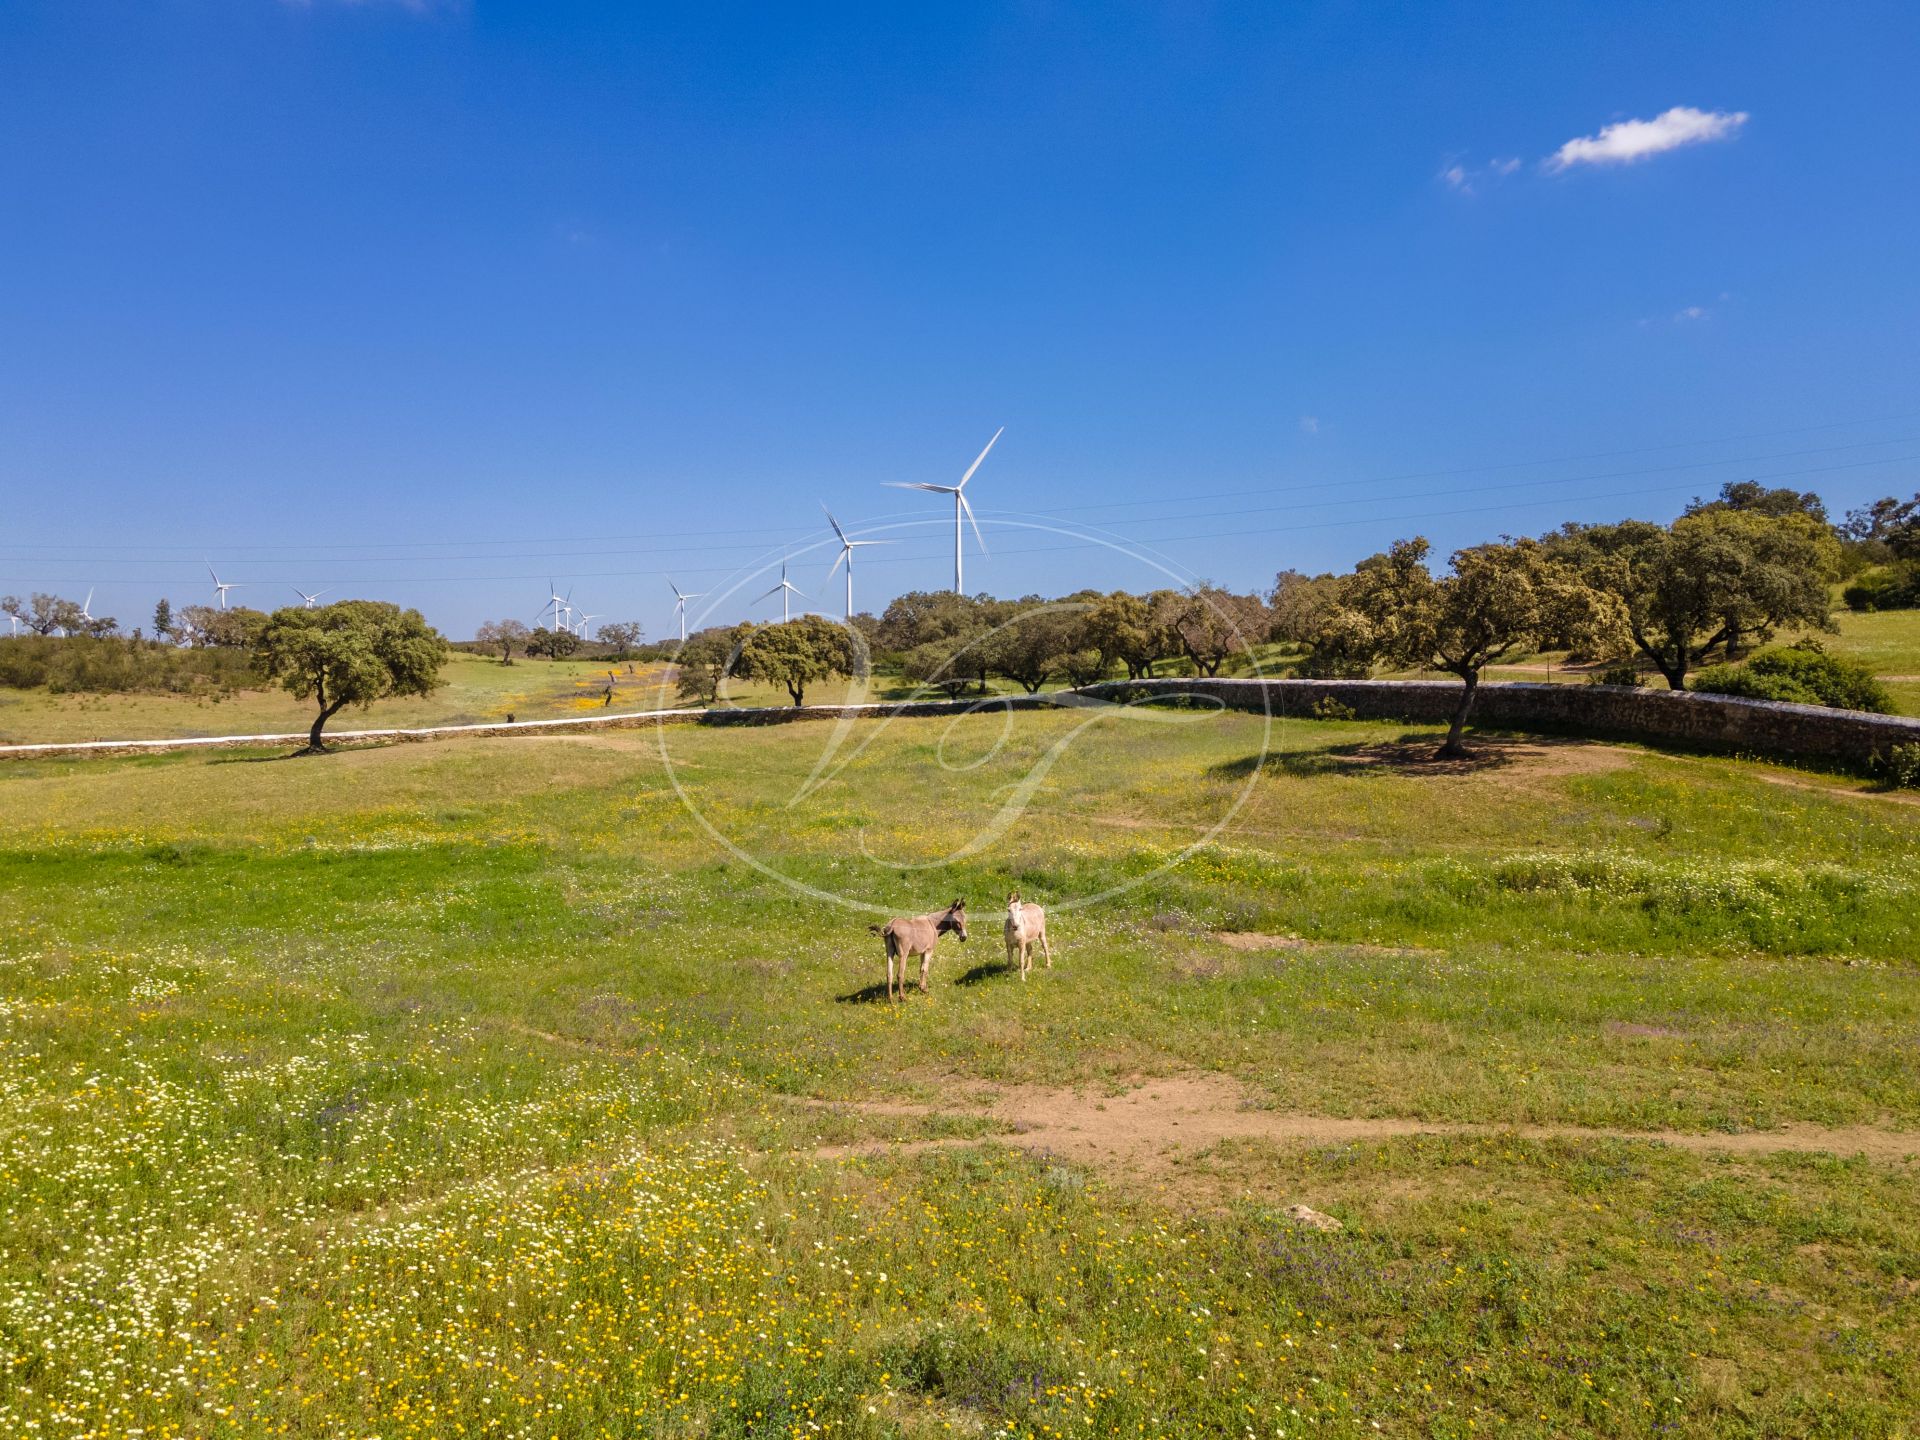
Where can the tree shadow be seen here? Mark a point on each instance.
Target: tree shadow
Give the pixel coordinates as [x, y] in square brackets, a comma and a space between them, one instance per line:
[255, 759]
[1414, 753]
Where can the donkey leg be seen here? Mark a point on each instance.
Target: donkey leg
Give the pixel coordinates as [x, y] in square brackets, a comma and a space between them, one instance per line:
[926, 964]
[1046, 947]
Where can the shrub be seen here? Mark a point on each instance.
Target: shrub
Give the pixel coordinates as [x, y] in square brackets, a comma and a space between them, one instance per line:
[1801, 675]
[1901, 767]
[1621, 673]
[1328, 708]
[84, 665]
[1885, 587]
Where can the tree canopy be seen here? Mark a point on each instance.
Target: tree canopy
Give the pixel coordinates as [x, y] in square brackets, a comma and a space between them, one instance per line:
[353, 652]
[207, 627]
[620, 636]
[1499, 597]
[705, 661]
[554, 644]
[1715, 577]
[797, 653]
[504, 636]
[1210, 624]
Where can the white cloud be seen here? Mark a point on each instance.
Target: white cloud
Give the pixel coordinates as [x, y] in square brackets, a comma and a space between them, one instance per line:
[1309, 424]
[1467, 181]
[1692, 312]
[1628, 141]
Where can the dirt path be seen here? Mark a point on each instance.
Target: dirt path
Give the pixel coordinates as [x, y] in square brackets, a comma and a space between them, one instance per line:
[1149, 1129]
[1897, 797]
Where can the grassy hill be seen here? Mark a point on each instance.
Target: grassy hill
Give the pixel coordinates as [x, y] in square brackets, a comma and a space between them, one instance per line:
[474, 1088]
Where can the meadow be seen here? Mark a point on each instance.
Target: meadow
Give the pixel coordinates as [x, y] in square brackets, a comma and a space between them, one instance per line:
[478, 1089]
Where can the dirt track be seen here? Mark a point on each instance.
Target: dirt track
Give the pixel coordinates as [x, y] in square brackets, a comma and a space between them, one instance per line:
[1153, 1126]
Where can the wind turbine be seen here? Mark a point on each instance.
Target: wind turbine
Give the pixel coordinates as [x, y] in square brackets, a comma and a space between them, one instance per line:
[16, 621]
[310, 599]
[847, 547]
[680, 607]
[86, 606]
[222, 585]
[960, 507]
[786, 591]
[562, 605]
[582, 622]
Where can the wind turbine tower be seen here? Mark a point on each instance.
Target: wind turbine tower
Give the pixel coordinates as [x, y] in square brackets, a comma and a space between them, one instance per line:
[222, 586]
[786, 591]
[960, 508]
[847, 547]
[680, 607]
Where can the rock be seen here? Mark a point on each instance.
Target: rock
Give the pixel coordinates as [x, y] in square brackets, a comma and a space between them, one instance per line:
[1312, 1219]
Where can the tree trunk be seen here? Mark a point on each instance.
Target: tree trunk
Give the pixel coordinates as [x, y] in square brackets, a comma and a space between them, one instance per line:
[1453, 749]
[798, 692]
[1676, 673]
[315, 745]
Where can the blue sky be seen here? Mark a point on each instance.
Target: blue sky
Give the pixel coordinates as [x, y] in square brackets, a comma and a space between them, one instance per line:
[431, 301]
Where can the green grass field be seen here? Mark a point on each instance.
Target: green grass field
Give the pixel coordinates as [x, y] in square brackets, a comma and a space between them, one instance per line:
[474, 1089]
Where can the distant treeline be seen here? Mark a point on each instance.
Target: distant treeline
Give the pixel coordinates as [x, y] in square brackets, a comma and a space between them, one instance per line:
[1725, 577]
[89, 664]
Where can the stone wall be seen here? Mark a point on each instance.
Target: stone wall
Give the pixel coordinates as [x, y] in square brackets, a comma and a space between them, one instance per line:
[1715, 722]
[1682, 717]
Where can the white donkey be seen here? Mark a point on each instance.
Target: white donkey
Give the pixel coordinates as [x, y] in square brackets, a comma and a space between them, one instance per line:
[1026, 927]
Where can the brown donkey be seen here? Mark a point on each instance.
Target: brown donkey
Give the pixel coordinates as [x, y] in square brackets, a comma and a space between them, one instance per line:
[1026, 927]
[917, 935]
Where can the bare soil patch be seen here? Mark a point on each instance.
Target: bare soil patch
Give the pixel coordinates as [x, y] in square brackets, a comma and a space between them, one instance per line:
[1843, 792]
[1633, 1028]
[1532, 756]
[1143, 1134]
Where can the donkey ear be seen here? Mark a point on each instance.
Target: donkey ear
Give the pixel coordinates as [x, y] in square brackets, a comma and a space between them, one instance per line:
[960, 904]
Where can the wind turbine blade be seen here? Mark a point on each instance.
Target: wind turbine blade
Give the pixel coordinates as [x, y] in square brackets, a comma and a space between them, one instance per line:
[983, 455]
[834, 523]
[796, 590]
[968, 509]
[675, 589]
[834, 568]
[855, 544]
[774, 591]
[919, 485]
